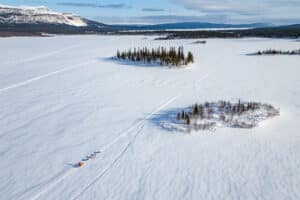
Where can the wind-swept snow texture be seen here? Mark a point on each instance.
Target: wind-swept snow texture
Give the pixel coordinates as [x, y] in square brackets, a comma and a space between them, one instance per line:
[62, 99]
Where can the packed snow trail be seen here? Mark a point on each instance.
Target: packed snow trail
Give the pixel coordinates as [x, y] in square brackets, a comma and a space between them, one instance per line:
[109, 166]
[23, 83]
[137, 124]
[140, 125]
[54, 181]
[67, 172]
[52, 53]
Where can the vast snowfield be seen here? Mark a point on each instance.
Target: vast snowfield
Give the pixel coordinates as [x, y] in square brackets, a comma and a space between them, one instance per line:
[62, 99]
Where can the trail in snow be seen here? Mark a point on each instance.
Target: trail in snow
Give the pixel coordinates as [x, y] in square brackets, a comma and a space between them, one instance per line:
[17, 85]
[66, 173]
[54, 181]
[34, 58]
[140, 125]
[110, 165]
[137, 124]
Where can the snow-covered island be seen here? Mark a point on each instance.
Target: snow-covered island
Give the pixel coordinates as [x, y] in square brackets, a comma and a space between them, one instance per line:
[210, 115]
[174, 57]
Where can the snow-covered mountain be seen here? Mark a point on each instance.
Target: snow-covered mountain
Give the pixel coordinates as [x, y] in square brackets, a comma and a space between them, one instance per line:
[38, 15]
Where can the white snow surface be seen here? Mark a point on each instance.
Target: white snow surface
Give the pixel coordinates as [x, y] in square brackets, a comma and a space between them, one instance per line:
[25, 14]
[62, 100]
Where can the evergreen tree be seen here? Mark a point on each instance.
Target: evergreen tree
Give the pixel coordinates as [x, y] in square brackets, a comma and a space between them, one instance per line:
[123, 55]
[196, 110]
[187, 120]
[182, 115]
[190, 58]
[178, 116]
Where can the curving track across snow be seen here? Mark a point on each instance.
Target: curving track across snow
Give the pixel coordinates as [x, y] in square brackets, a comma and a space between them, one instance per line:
[138, 126]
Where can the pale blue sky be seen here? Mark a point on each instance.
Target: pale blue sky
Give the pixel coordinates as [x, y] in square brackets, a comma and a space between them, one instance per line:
[162, 11]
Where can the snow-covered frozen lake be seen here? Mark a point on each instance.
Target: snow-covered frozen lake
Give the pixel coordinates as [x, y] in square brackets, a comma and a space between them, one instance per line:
[61, 100]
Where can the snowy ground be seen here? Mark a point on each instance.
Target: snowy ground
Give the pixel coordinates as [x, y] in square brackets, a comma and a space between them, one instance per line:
[61, 99]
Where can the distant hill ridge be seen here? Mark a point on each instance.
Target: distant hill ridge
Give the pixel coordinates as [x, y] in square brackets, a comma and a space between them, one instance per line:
[38, 15]
[190, 25]
[39, 20]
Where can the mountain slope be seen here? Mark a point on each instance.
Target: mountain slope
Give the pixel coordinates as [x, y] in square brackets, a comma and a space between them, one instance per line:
[41, 19]
[37, 15]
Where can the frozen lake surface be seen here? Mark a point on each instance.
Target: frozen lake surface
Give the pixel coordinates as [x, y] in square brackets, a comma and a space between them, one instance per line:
[62, 100]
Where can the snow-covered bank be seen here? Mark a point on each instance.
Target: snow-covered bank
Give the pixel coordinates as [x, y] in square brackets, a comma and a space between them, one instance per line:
[61, 102]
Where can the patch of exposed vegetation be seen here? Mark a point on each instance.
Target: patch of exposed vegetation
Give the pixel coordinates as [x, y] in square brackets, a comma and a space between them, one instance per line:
[210, 115]
[277, 52]
[161, 56]
[200, 42]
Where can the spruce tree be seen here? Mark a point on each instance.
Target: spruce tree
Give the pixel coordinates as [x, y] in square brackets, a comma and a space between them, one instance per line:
[182, 115]
[196, 110]
[187, 119]
[190, 58]
[178, 116]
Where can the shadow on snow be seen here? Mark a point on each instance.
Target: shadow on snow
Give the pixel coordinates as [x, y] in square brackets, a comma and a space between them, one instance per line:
[133, 63]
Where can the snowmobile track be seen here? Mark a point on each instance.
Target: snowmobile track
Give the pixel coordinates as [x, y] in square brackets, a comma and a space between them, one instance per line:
[140, 126]
[17, 85]
[110, 165]
[45, 55]
[67, 172]
[137, 124]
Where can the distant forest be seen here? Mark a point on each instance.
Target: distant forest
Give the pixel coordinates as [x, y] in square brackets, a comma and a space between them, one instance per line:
[291, 31]
[277, 52]
[165, 57]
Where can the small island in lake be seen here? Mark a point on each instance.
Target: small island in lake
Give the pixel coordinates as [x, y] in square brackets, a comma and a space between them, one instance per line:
[172, 57]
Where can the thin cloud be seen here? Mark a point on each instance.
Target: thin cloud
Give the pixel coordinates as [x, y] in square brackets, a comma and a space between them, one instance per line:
[246, 6]
[246, 10]
[153, 10]
[92, 5]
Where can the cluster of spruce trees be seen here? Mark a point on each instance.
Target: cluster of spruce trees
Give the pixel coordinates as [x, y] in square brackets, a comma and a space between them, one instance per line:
[203, 111]
[170, 57]
[238, 108]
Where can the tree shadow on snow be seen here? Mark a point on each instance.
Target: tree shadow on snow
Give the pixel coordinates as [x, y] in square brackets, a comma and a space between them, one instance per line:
[132, 63]
[166, 120]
